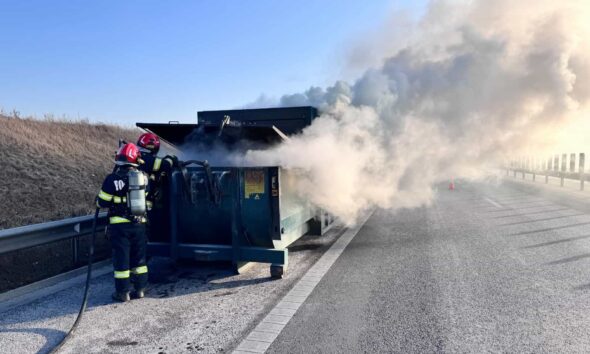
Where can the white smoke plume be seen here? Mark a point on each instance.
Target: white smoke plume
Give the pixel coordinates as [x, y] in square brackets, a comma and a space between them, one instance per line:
[473, 84]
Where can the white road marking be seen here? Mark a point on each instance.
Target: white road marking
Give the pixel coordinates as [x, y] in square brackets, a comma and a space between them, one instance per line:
[493, 203]
[266, 332]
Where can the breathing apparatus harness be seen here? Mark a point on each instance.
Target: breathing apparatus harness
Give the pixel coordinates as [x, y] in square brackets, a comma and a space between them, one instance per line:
[135, 201]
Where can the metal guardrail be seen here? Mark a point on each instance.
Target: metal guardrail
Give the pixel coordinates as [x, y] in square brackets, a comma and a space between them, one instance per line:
[555, 166]
[38, 234]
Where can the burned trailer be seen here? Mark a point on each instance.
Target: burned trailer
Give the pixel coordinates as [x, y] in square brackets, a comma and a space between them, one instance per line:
[232, 213]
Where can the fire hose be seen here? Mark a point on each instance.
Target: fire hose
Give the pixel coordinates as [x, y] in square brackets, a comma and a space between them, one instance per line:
[214, 196]
[86, 290]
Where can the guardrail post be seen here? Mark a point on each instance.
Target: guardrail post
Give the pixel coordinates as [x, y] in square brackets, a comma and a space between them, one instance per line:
[563, 168]
[523, 166]
[547, 170]
[533, 167]
[76, 245]
[514, 167]
[556, 165]
[582, 159]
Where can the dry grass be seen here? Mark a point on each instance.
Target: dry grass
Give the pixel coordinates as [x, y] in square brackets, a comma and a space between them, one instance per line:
[52, 169]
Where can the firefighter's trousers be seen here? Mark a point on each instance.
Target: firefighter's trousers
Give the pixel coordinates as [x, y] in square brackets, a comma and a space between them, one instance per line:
[129, 244]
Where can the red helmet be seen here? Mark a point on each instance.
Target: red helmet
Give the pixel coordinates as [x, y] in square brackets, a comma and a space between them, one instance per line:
[128, 154]
[149, 141]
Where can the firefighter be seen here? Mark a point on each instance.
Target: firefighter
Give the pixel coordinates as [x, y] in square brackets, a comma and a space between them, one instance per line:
[156, 167]
[124, 193]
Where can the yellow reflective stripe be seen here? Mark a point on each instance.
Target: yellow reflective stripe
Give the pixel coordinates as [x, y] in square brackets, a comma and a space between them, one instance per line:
[149, 204]
[119, 199]
[157, 164]
[170, 161]
[139, 270]
[121, 220]
[121, 274]
[105, 196]
[118, 220]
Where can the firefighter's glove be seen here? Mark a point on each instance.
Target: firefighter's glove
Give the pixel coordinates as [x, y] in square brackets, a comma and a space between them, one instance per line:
[175, 161]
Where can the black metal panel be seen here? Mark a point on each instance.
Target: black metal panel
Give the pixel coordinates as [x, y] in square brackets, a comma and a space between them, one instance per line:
[171, 132]
[246, 126]
[233, 137]
[290, 120]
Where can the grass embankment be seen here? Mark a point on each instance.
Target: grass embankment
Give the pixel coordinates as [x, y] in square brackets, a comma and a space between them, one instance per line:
[52, 169]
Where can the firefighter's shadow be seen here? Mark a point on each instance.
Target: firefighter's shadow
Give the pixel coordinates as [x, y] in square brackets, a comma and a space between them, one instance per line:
[174, 280]
[52, 336]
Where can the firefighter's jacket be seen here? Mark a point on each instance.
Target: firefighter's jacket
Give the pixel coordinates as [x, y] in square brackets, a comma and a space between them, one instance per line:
[113, 195]
[156, 167]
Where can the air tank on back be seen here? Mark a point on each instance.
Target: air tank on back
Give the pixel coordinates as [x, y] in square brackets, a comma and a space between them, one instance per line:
[136, 194]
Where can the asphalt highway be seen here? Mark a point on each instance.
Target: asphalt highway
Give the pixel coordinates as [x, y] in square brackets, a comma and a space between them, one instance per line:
[488, 267]
[202, 308]
[485, 268]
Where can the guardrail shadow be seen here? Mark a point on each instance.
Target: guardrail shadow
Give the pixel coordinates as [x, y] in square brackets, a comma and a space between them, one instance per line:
[516, 205]
[550, 229]
[544, 219]
[518, 200]
[582, 287]
[569, 259]
[510, 208]
[527, 214]
[556, 242]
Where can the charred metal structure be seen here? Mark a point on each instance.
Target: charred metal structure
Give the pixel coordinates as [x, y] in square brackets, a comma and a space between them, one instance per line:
[232, 213]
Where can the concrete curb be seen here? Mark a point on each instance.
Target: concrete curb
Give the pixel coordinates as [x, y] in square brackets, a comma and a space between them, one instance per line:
[29, 293]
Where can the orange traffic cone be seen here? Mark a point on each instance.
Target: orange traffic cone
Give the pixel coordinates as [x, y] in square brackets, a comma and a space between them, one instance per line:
[452, 185]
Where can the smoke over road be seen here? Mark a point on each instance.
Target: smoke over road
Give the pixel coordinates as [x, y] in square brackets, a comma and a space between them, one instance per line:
[473, 83]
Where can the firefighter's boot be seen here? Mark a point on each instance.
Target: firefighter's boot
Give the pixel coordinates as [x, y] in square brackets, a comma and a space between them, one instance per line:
[138, 294]
[121, 297]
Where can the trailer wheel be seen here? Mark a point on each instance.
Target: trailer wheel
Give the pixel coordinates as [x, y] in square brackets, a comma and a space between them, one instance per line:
[276, 271]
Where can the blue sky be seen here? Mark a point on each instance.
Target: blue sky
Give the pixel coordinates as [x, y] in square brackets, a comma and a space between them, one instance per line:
[126, 61]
